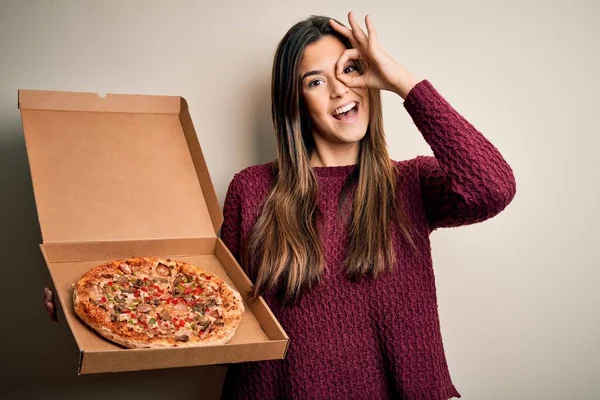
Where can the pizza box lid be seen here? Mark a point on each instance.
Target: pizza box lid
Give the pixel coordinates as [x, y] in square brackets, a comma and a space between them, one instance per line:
[119, 167]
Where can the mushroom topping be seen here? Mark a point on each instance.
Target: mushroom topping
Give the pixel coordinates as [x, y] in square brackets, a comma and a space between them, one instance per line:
[198, 308]
[164, 314]
[211, 302]
[121, 308]
[204, 324]
[163, 270]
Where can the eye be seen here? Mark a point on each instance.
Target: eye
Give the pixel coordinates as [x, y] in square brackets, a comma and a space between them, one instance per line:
[316, 82]
[349, 69]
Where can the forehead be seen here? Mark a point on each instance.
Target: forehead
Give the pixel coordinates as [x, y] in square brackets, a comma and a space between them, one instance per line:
[322, 55]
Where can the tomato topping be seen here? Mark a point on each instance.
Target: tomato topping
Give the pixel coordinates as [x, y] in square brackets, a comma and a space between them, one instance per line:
[103, 299]
[110, 283]
[181, 323]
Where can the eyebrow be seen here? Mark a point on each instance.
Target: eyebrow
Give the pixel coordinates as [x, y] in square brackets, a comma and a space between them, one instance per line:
[310, 73]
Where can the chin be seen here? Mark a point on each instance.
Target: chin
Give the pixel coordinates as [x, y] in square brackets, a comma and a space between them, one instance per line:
[335, 136]
[355, 138]
[355, 135]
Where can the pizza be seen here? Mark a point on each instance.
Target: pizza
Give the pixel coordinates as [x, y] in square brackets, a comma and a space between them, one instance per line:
[149, 302]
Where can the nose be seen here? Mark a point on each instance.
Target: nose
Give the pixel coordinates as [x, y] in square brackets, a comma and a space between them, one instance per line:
[338, 89]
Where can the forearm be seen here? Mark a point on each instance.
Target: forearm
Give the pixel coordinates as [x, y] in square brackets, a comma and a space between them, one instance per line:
[470, 181]
[404, 81]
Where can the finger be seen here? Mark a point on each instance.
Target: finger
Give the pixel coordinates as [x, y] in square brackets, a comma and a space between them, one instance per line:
[47, 295]
[352, 81]
[344, 31]
[370, 29]
[357, 31]
[51, 311]
[349, 54]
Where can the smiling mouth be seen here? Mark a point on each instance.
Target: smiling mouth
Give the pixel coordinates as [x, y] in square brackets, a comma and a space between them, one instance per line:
[346, 113]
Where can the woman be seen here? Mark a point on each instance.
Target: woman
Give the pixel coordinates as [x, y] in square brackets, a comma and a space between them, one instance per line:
[335, 235]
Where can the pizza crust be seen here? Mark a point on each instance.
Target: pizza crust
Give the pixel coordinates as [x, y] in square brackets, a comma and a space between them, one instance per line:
[109, 297]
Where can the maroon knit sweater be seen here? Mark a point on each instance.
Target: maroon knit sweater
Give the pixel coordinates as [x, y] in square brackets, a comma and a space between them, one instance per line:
[375, 339]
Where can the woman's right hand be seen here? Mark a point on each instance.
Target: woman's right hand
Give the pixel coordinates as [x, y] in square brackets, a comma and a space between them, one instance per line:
[49, 304]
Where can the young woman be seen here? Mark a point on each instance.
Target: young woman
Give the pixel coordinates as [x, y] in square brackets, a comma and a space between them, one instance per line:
[335, 235]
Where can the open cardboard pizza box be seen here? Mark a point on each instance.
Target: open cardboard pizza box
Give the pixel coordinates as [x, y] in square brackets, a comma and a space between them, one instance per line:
[122, 176]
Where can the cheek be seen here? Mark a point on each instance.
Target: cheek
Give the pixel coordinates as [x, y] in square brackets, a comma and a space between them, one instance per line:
[367, 112]
[317, 110]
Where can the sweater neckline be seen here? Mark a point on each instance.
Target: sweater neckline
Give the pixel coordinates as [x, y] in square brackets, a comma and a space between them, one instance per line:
[339, 170]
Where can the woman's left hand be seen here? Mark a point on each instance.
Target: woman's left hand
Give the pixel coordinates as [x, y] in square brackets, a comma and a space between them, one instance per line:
[381, 70]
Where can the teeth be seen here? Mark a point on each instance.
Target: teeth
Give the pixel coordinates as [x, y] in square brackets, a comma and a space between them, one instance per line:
[345, 108]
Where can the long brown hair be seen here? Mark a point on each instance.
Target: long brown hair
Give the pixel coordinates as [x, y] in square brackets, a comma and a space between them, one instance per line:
[283, 251]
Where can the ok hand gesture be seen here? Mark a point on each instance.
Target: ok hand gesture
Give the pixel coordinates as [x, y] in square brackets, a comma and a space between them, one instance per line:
[381, 70]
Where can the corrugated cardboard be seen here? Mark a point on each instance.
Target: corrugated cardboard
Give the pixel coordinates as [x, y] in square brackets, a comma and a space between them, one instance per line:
[124, 176]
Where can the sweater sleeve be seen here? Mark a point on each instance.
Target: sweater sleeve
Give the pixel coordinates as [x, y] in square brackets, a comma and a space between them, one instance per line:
[232, 218]
[467, 180]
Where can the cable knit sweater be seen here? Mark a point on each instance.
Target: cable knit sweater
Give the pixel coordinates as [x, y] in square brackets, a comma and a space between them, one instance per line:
[375, 339]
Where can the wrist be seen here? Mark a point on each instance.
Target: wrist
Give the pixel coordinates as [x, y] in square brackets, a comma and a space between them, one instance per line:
[404, 84]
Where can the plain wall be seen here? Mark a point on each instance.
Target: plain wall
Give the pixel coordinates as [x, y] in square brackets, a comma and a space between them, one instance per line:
[518, 294]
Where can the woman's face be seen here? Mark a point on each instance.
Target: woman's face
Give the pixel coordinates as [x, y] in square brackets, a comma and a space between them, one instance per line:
[338, 114]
